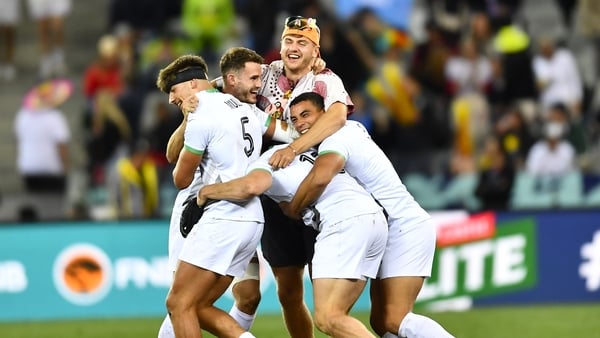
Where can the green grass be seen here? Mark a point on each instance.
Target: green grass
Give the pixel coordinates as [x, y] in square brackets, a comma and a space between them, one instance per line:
[499, 322]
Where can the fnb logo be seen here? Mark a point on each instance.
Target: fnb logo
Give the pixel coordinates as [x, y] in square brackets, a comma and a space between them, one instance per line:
[83, 274]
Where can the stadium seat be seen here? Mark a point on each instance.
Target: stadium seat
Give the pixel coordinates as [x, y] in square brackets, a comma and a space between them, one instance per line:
[531, 192]
[570, 191]
[425, 190]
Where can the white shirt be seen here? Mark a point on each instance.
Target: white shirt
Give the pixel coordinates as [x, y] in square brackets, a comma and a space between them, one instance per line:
[469, 75]
[228, 135]
[275, 93]
[542, 160]
[562, 77]
[366, 162]
[342, 198]
[39, 134]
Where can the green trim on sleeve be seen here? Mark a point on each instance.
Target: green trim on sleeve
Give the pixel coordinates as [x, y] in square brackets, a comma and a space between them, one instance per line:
[325, 152]
[263, 169]
[192, 150]
[268, 120]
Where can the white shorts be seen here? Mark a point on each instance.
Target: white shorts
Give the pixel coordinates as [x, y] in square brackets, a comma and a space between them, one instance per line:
[9, 12]
[39, 9]
[176, 240]
[350, 249]
[409, 250]
[222, 246]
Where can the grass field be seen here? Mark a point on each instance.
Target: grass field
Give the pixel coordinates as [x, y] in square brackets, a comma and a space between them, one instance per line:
[581, 321]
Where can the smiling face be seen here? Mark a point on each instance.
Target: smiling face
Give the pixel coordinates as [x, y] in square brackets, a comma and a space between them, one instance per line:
[304, 114]
[297, 53]
[179, 92]
[244, 83]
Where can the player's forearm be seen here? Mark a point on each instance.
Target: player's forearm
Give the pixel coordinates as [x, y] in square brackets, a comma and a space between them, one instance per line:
[175, 143]
[307, 194]
[237, 190]
[329, 123]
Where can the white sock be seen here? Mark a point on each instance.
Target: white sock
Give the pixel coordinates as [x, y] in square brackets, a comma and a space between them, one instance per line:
[417, 326]
[247, 335]
[245, 320]
[166, 329]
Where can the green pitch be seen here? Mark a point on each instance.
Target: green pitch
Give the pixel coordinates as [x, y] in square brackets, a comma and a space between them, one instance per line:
[498, 322]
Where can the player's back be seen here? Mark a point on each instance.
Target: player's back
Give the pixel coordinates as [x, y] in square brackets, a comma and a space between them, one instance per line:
[342, 198]
[366, 162]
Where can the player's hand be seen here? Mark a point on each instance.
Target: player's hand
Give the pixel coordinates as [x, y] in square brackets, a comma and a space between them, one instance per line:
[189, 105]
[318, 65]
[282, 158]
[285, 207]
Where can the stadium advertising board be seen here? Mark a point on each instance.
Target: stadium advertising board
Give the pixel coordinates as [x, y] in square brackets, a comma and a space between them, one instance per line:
[90, 270]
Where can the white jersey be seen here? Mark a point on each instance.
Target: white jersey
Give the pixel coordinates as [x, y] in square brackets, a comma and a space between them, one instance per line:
[175, 238]
[342, 199]
[276, 93]
[228, 135]
[366, 162]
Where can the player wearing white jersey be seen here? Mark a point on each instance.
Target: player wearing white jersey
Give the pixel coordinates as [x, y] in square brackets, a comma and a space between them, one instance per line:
[287, 245]
[241, 77]
[221, 137]
[349, 246]
[408, 257]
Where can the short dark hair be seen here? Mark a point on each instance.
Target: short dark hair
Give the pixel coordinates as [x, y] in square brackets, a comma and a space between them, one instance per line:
[313, 97]
[167, 75]
[235, 59]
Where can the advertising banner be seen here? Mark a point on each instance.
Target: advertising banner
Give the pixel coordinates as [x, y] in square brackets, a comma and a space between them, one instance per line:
[119, 269]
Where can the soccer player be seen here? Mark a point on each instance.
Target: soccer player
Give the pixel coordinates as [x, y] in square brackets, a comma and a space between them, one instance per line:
[352, 234]
[408, 256]
[222, 136]
[286, 244]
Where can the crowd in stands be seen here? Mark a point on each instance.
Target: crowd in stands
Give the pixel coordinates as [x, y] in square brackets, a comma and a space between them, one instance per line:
[466, 110]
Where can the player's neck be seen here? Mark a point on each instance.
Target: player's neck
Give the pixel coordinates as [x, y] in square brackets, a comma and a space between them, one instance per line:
[294, 77]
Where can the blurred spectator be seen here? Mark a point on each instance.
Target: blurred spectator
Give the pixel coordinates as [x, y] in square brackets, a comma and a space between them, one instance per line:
[574, 130]
[43, 137]
[515, 136]
[429, 60]
[345, 51]
[515, 79]
[496, 177]
[105, 72]
[158, 121]
[588, 12]
[158, 52]
[552, 155]
[417, 134]
[210, 25]
[109, 130]
[469, 72]
[50, 16]
[557, 76]
[133, 183]
[9, 18]
[480, 30]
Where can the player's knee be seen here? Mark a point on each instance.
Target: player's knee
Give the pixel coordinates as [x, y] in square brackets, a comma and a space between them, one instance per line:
[248, 302]
[326, 320]
[290, 297]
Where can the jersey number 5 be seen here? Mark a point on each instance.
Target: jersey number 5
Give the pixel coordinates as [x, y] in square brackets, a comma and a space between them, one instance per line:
[249, 149]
